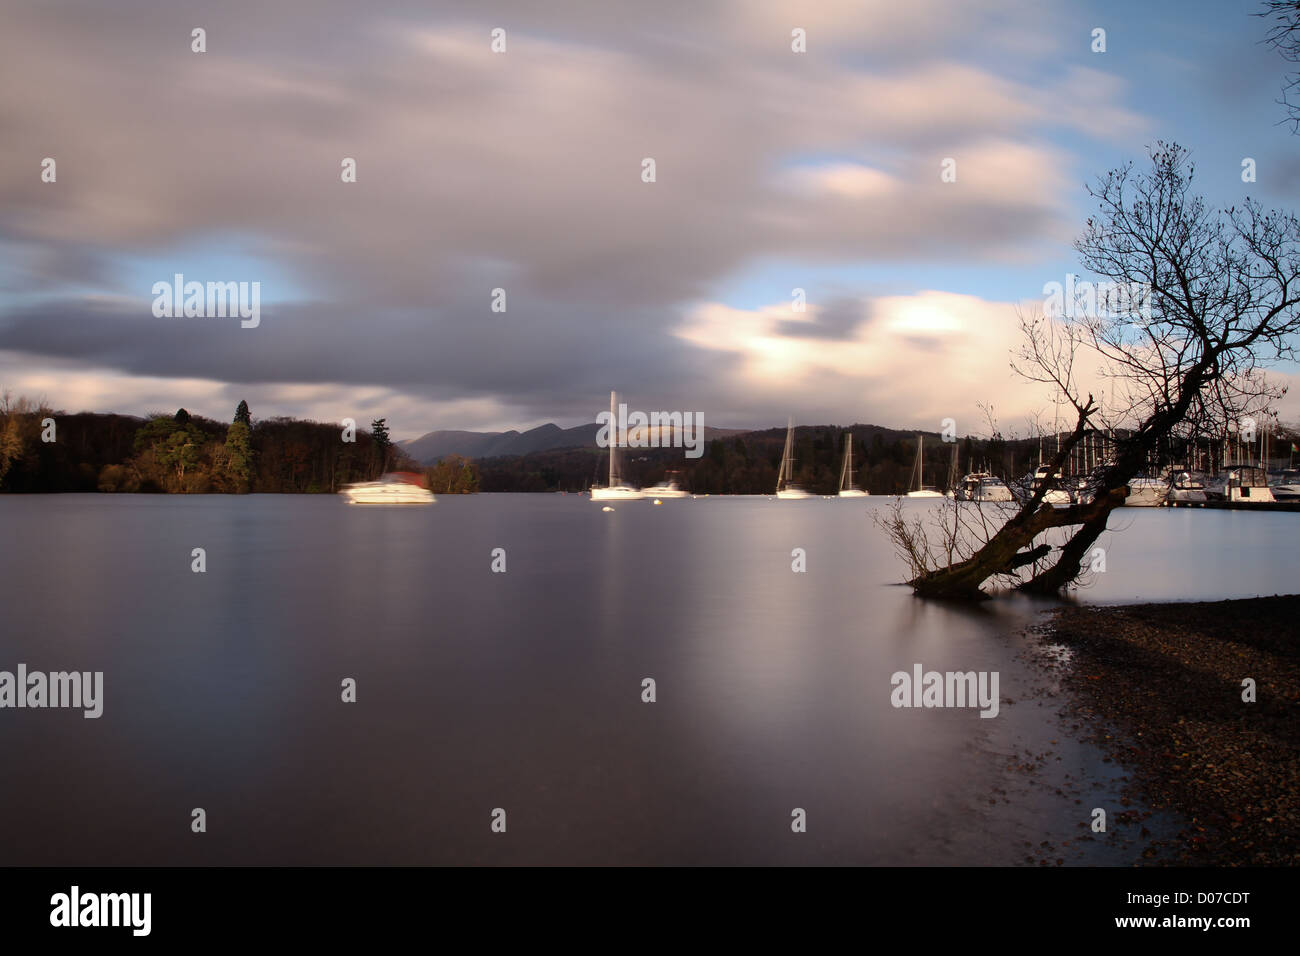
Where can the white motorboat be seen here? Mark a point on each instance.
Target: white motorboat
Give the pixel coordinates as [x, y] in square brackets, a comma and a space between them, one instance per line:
[920, 490]
[615, 490]
[396, 488]
[1286, 486]
[785, 489]
[846, 473]
[1248, 483]
[1055, 496]
[617, 493]
[1147, 493]
[1186, 490]
[665, 489]
[982, 486]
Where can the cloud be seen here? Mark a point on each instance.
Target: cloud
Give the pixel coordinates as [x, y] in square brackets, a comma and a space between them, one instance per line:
[520, 171]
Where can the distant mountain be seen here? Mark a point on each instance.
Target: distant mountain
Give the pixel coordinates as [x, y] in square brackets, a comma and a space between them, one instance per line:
[438, 444]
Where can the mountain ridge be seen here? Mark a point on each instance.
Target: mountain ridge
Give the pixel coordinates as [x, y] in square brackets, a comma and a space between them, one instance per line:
[434, 445]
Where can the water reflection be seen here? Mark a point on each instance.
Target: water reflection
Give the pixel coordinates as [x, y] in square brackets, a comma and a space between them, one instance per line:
[522, 689]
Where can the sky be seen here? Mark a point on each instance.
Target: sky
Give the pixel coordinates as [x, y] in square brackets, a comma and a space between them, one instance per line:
[522, 170]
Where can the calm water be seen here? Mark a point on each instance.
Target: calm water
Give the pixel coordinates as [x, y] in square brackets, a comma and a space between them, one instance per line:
[523, 690]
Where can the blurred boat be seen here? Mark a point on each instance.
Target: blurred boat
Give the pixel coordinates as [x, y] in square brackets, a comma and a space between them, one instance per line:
[846, 473]
[665, 489]
[395, 488]
[920, 490]
[784, 478]
[615, 490]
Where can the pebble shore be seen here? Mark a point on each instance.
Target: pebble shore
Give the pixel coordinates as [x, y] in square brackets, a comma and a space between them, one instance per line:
[1166, 683]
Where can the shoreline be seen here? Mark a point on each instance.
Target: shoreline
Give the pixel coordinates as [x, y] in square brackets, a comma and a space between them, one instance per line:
[1164, 685]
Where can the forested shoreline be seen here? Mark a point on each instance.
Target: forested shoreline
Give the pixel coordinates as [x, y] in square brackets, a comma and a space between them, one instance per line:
[44, 450]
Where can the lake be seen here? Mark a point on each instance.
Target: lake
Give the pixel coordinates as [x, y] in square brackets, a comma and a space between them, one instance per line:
[523, 690]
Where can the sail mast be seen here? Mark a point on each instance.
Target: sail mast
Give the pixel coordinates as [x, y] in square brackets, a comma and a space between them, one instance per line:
[613, 430]
[787, 464]
[846, 470]
[918, 468]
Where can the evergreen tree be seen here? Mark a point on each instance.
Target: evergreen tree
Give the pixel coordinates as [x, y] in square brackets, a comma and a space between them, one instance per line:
[383, 444]
[242, 415]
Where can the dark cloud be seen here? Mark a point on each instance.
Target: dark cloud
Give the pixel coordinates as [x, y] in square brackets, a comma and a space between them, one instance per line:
[478, 171]
[838, 319]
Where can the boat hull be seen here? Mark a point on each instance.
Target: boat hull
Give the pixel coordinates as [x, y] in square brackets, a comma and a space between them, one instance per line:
[853, 493]
[616, 494]
[792, 494]
[1146, 495]
[379, 496]
[665, 492]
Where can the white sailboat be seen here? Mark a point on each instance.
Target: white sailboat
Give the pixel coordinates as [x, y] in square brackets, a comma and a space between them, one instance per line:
[918, 469]
[784, 487]
[615, 490]
[846, 473]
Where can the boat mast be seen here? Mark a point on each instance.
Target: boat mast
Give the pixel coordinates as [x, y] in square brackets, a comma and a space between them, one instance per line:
[918, 468]
[787, 470]
[613, 430]
[846, 470]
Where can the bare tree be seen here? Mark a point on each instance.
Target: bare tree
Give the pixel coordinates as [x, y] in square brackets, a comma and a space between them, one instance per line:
[1284, 36]
[1215, 295]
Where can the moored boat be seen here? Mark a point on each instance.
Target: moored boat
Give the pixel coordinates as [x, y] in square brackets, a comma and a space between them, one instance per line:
[615, 490]
[919, 489]
[1186, 490]
[847, 490]
[665, 489]
[1055, 495]
[785, 488]
[1247, 483]
[982, 486]
[1146, 492]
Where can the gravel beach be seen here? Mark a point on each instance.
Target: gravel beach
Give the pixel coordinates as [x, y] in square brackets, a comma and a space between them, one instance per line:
[1166, 683]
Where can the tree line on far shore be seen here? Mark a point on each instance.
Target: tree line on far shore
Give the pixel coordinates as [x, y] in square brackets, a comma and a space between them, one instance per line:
[190, 454]
[43, 450]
